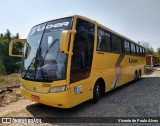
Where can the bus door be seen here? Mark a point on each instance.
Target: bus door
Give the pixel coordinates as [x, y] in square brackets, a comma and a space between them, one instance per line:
[82, 56]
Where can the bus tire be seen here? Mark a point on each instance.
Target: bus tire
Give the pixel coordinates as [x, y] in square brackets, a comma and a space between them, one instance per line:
[135, 77]
[96, 92]
[139, 75]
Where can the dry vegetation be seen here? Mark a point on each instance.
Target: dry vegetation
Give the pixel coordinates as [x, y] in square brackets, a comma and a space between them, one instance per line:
[10, 80]
[10, 86]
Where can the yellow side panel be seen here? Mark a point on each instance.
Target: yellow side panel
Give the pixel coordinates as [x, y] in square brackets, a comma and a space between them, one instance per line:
[105, 67]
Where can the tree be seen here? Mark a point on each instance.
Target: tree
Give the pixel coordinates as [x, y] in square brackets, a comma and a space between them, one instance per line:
[158, 51]
[1, 35]
[7, 35]
[11, 64]
[149, 48]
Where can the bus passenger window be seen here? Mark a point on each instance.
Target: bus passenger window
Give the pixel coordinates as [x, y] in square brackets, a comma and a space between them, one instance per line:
[133, 49]
[137, 49]
[126, 47]
[104, 40]
[144, 52]
[116, 43]
[141, 51]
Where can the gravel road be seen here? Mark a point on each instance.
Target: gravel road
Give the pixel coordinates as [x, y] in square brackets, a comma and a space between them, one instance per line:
[141, 99]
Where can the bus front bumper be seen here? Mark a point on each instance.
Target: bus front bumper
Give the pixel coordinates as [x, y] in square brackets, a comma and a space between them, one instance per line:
[60, 100]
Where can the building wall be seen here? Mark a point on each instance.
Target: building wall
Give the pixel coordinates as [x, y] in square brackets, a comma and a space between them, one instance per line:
[154, 59]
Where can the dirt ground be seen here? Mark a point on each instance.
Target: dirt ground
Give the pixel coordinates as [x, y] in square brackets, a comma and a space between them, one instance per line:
[140, 99]
[9, 89]
[15, 107]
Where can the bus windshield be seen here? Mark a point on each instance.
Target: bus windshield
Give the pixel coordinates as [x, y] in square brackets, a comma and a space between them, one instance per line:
[42, 59]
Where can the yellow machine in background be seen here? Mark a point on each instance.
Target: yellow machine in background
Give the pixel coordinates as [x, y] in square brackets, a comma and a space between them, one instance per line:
[70, 60]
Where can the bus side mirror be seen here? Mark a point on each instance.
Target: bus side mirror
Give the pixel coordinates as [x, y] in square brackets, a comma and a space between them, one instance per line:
[11, 44]
[64, 40]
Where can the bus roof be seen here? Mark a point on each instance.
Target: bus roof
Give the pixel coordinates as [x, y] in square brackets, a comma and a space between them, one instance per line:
[98, 24]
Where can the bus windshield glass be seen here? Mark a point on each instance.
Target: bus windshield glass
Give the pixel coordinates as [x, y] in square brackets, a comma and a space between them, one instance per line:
[42, 59]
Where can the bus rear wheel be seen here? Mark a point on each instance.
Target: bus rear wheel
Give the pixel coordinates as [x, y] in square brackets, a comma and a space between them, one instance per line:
[135, 77]
[96, 92]
[139, 76]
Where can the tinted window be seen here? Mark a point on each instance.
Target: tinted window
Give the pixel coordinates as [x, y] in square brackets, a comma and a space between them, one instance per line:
[137, 49]
[144, 53]
[140, 49]
[126, 47]
[103, 40]
[82, 51]
[133, 49]
[116, 43]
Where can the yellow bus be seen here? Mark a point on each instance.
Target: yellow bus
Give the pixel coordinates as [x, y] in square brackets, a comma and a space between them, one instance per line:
[73, 59]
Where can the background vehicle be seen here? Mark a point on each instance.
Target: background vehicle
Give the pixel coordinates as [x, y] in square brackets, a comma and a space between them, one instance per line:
[73, 59]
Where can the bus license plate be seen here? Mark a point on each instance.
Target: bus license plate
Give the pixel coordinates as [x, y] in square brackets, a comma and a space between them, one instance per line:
[35, 97]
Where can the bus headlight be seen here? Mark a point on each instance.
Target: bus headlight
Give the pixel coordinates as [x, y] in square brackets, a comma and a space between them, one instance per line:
[57, 89]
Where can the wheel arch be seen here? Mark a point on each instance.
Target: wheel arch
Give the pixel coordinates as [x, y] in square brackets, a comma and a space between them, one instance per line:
[101, 81]
[140, 71]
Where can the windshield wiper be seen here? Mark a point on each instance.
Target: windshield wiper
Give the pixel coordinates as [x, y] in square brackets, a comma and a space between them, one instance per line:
[38, 59]
[29, 67]
[41, 68]
[35, 61]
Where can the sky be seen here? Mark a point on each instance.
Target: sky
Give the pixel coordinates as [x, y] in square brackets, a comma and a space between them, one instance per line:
[138, 20]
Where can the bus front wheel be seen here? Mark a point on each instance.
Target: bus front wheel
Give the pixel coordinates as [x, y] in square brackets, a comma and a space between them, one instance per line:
[96, 92]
